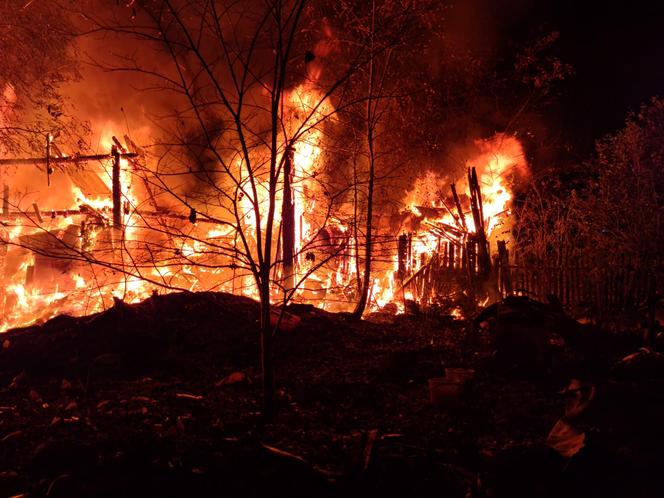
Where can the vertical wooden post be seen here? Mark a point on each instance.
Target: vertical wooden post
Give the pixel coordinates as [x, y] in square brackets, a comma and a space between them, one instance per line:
[288, 222]
[505, 282]
[464, 255]
[457, 203]
[452, 256]
[116, 186]
[402, 255]
[484, 261]
[5, 201]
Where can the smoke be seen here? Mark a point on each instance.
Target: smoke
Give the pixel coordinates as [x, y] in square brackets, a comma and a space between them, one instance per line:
[155, 114]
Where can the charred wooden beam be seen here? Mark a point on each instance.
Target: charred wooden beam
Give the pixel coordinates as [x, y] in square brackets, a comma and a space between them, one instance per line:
[457, 203]
[445, 227]
[504, 277]
[37, 212]
[484, 259]
[416, 274]
[49, 170]
[64, 159]
[441, 232]
[117, 192]
[402, 255]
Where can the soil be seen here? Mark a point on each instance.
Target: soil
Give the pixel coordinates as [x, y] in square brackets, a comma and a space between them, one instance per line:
[163, 398]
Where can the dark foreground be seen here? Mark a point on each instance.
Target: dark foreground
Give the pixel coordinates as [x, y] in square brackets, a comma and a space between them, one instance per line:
[163, 399]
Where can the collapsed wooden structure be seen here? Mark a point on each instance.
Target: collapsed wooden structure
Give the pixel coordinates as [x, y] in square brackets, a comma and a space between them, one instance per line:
[116, 153]
[462, 257]
[463, 262]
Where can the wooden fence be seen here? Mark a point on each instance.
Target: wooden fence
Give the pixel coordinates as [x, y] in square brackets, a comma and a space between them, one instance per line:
[598, 291]
[583, 287]
[452, 268]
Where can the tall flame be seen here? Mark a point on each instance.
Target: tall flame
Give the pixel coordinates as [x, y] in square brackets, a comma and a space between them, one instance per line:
[40, 282]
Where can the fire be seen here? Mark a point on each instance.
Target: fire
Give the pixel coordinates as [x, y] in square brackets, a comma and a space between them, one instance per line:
[499, 163]
[307, 111]
[41, 281]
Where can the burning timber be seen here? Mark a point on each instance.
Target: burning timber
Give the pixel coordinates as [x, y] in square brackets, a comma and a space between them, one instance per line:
[123, 250]
[119, 242]
[461, 256]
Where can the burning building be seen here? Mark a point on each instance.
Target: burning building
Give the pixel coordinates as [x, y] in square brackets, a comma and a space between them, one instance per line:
[101, 232]
[270, 184]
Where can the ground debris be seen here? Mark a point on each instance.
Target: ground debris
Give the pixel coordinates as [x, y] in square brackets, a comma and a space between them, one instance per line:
[147, 409]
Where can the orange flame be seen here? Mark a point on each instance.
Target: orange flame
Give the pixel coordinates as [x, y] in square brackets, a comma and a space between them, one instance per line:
[32, 292]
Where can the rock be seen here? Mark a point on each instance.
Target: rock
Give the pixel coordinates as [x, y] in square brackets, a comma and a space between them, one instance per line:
[642, 364]
[288, 321]
[233, 378]
[19, 381]
[72, 405]
[12, 436]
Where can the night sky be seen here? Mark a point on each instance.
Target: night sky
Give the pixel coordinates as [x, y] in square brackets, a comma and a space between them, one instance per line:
[615, 48]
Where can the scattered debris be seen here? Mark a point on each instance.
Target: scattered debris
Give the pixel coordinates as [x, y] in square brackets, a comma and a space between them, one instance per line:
[155, 416]
[195, 397]
[371, 437]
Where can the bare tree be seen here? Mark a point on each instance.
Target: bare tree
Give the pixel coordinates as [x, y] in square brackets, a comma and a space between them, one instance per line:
[246, 109]
[35, 60]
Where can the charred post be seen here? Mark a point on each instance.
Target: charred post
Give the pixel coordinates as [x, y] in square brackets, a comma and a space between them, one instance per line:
[5, 201]
[116, 186]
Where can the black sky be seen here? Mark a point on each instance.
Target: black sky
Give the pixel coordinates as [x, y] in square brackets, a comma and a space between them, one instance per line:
[615, 47]
[617, 51]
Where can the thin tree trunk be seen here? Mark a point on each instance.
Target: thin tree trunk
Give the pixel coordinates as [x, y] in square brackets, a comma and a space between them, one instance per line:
[364, 291]
[267, 357]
